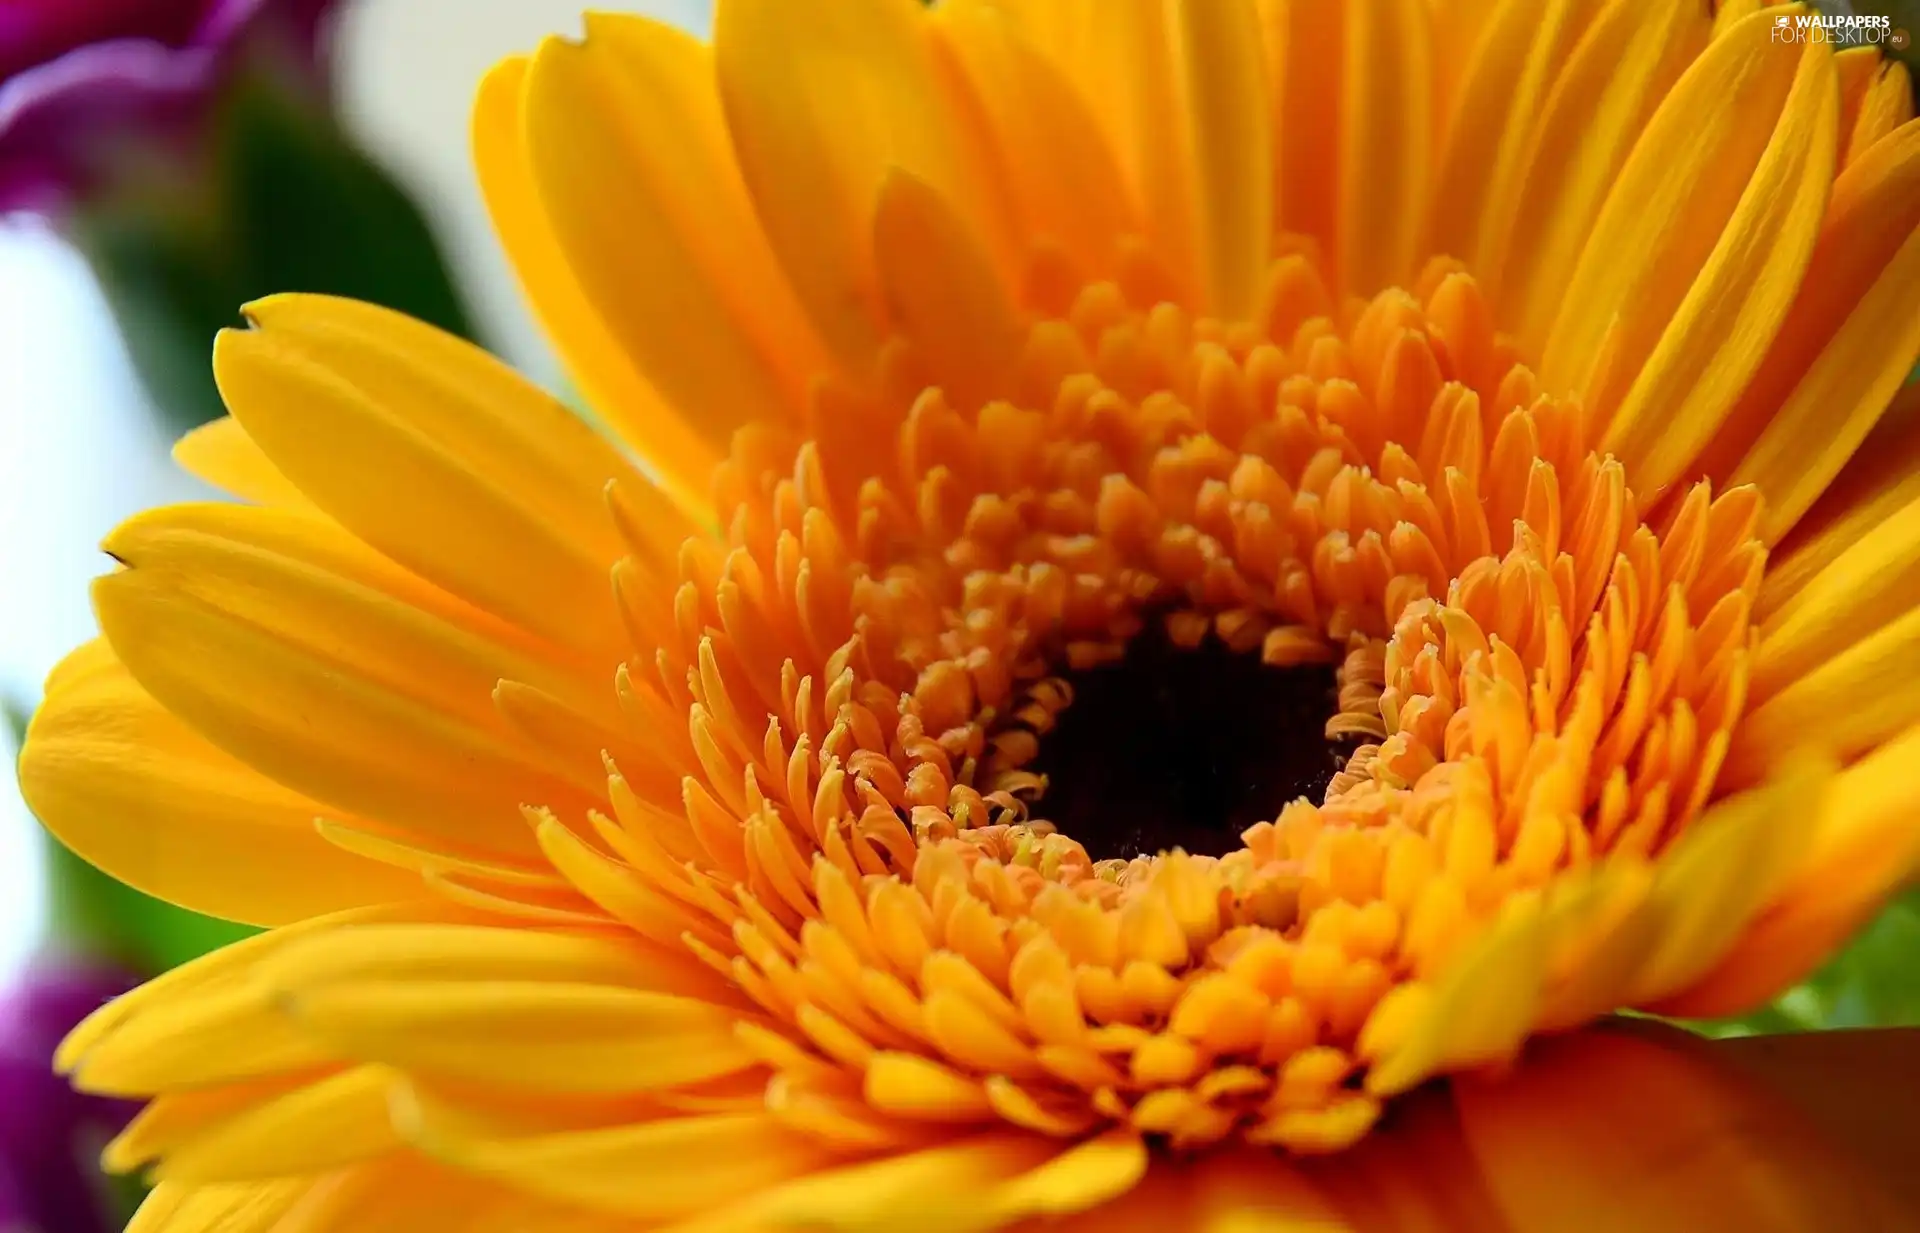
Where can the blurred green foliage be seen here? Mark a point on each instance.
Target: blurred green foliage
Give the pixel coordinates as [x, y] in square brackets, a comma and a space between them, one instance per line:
[290, 205]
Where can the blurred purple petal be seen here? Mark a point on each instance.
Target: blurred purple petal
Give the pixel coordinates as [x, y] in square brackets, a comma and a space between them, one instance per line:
[50, 1135]
[34, 31]
[60, 122]
[91, 90]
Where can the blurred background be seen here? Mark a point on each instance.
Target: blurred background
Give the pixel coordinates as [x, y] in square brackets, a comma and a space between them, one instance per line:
[161, 161]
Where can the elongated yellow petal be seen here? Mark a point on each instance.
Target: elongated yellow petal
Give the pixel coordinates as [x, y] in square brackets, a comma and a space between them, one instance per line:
[1887, 106]
[1064, 180]
[423, 466]
[1666, 212]
[1226, 92]
[1723, 329]
[436, 952]
[1881, 479]
[1862, 846]
[227, 969]
[941, 1185]
[1385, 155]
[337, 1121]
[1479, 1013]
[1856, 699]
[136, 792]
[1617, 75]
[326, 592]
[1305, 43]
[1869, 584]
[662, 1169]
[630, 155]
[1721, 874]
[1103, 1168]
[1143, 74]
[213, 1037]
[558, 1036]
[607, 375]
[325, 723]
[813, 142]
[242, 1207]
[223, 455]
[1477, 181]
[943, 292]
[406, 1193]
[1848, 344]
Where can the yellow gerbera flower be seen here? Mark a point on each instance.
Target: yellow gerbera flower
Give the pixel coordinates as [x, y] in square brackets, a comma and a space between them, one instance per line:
[1195, 565]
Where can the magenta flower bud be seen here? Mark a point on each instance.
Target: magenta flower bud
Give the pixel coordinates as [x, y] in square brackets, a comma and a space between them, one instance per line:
[95, 90]
[50, 1135]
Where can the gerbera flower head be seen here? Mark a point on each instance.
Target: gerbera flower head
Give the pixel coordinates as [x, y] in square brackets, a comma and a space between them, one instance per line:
[1184, 568]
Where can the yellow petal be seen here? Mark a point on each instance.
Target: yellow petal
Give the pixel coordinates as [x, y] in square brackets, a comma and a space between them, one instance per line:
[336, 717]
[1668, 209]
[656, 1170]
[329, 593]
[216, 1036]
[1139, 84]
[1601, 930]
[1724, 327]
[439, 456]
[228, 968]
[243, 1207]
[406, 1193]
[1232, 146]
[814, 139]
[435, 952]
[1720, 875]
[944, 293]
[1385, 158]
[629, 151]
[1888, 105]
[1850, 341]
[223, 455]
[606, 374]
[1305, 59]
[1086, 1175]
[1478, 178]
[557, 1035]
[336, 1121]
[1600, 102]
[1483, 1006]
[1881, 479]
[1859, 68]
[1860, 696]
[1863, 844]
[133, 790]
[1063, 178]
[1873, 581]
[938, 1190]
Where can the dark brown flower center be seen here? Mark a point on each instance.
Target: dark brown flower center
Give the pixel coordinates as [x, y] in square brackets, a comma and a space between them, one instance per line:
[1171, 746]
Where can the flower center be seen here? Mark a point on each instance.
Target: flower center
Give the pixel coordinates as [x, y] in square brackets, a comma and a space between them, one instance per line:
[1085, 634]
[1186, 747]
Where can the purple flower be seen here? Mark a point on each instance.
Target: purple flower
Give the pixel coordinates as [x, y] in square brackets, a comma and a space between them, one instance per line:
[50, 1135]
[92, 89]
